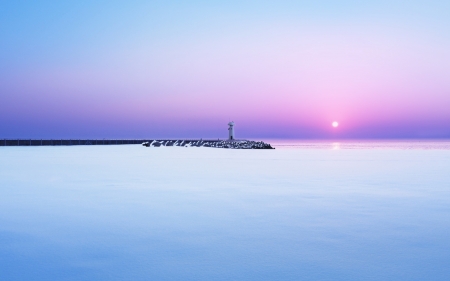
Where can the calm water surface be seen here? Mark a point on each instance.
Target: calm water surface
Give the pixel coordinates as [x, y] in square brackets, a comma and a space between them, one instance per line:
[305, 211]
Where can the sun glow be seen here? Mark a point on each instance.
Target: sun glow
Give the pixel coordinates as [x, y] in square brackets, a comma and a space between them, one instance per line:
[335, 124]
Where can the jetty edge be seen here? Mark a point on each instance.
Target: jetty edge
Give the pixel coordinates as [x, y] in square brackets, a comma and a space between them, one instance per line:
[234, 144]
[67, 142]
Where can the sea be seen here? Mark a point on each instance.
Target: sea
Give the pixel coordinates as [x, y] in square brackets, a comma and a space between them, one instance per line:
[307, 210]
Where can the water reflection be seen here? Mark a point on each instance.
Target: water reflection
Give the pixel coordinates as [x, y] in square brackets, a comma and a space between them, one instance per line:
[336, 145]
[296, 213]
[362, 144]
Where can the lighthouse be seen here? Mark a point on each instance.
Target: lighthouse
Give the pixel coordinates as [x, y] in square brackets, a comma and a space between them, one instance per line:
[231, 131]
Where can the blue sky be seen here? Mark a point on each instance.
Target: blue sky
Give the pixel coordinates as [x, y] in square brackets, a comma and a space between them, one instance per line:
[281, 69]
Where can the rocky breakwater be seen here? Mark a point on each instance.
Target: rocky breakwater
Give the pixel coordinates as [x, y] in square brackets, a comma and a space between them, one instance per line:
[234, 144]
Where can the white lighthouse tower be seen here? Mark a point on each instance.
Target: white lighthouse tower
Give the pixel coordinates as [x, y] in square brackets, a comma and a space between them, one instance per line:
[231, 131]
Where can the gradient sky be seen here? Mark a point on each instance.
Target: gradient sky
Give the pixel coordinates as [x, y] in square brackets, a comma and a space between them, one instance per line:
[279, 69]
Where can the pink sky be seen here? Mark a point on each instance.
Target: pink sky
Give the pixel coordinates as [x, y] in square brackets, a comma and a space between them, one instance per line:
[276, 77]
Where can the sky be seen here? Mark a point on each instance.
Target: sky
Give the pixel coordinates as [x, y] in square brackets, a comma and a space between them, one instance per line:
[184, 69]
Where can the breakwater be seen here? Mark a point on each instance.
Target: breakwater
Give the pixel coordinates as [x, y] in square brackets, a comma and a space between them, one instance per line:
[235, 144]
[55, 142]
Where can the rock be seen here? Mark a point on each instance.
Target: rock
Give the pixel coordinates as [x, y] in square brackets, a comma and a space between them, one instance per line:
[239, 144]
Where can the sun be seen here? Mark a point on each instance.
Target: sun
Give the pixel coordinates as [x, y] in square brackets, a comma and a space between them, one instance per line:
[335, 124]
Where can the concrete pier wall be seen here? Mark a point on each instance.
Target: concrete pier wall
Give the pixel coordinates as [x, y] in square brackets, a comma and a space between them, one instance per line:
[53, 142]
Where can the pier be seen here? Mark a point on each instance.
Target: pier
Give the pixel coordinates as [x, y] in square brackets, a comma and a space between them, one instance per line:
[230, 143]
[234, 144]
[59, 142]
